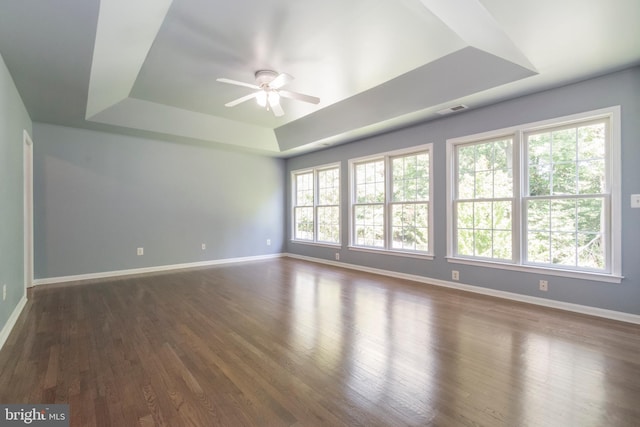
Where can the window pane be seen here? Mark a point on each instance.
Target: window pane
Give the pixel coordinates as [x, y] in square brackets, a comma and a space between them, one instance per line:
[591, 215]
[539, 247]
[539, 149]
[576, 164]
[329, 224]
[575, 232]
[539, 215]
[591, 251]
[303, 223]
[466, 158]
[564, 178]
[369, 185]
[502, 245]
[466, 171]
[398, 184]
[591, 142]
[502, 183]
[329, 187]
[503, 155]
[563, 146]
[563, 248]
[563, 215]
[484, 185]
[485, 170]
[304, 189]
[591, 177]
[410, 229]
[540, 180]
[466, 185]
[483, 243]
[465, 214]
[539, 161]
[484, 156]
[482, 215]
[502, 216]
[492, 225]
[369, 225]
[410, 177]
[465, 242]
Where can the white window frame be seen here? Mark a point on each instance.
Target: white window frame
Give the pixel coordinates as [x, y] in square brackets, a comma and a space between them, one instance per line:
[387, 157]
[612, 169]
[316, 205]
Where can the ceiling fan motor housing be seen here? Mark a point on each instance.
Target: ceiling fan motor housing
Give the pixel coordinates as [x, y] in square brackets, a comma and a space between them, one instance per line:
[264, 77]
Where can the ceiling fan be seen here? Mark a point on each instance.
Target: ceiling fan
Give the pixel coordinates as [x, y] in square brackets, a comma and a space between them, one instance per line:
[268, 91]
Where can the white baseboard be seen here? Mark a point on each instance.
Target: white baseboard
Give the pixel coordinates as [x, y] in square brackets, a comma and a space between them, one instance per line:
[11, 322]
[160, 268]
[576, 308]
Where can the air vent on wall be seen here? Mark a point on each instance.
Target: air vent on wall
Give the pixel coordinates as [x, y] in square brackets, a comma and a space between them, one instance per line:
[453, 109]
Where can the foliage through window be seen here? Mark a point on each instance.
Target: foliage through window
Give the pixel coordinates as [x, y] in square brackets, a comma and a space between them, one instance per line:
[390, 202]
[484, 203]
[566, 202]
[538, 196]
[316, 205]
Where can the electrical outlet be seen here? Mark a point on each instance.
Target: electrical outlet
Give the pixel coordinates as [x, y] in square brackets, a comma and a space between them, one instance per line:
[635, 200]
[268, 242]
[4, 292]
[204, 246]
[544, 285]
[337, 256]
[140, 251]
[455, 274]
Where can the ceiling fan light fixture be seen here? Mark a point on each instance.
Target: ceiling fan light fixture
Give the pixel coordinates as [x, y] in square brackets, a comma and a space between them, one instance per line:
[268, 90]
[261, 98]
[274, 98]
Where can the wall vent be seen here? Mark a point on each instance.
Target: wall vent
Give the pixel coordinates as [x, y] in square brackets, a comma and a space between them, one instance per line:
[453, 109]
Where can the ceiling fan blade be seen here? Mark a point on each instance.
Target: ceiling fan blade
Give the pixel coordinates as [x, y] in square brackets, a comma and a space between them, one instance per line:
[237, 83]
[241, 100]
[281, 80]
[276, 107]
[299, 96]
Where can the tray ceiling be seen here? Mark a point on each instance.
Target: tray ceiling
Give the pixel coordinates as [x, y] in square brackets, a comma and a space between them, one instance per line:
[149, 67]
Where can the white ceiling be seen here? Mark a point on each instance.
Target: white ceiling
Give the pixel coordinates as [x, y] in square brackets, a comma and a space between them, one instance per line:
[149, 67]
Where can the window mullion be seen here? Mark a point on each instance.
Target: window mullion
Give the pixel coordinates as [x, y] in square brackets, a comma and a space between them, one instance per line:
[387, 202]
[518, 225]
[316, 200]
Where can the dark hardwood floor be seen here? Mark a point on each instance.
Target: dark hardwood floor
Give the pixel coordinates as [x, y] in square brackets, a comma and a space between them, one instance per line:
[287, 342]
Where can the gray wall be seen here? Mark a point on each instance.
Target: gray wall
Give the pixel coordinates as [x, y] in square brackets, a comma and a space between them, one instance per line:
[13, 121]
[99, 196]
[622, 88]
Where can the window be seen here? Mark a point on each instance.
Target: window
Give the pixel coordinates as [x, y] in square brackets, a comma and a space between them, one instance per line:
[303, 210]
[390, 196]
[484, 202]
[567, 196]
[539, 196]
[316, 205]
[368, 208]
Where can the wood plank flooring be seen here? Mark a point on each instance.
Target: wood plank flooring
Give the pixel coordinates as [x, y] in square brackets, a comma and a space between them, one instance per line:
[290, 343]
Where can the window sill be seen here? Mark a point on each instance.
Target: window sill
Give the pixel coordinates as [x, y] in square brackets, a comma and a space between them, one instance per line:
[391, 252]
[321, 244]
[585, 275]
